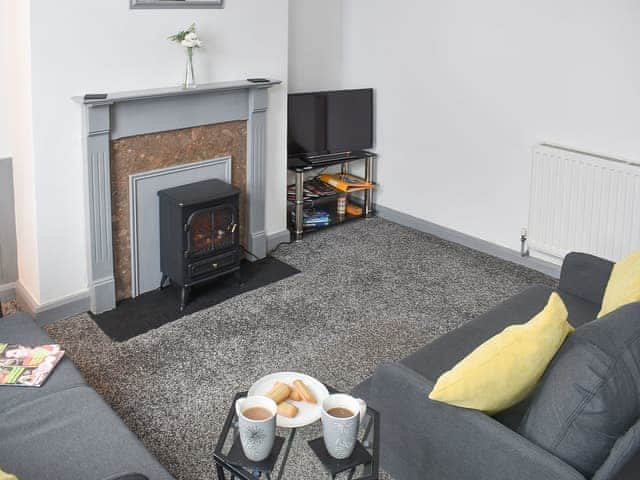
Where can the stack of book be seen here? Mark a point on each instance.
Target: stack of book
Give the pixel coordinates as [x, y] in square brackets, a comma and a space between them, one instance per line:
[313, 189]
[314, 218]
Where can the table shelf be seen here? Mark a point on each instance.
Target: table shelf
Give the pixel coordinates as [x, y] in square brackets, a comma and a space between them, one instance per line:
[295, 209]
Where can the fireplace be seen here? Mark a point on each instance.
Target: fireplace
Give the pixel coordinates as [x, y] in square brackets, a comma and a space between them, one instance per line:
[118, 119]
[145, 164]
[199, 234]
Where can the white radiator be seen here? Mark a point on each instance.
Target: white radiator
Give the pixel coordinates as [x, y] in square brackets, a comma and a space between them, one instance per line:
[583, 202]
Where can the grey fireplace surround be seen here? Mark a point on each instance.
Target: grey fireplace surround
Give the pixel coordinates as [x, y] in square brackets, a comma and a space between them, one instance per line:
[126, 114]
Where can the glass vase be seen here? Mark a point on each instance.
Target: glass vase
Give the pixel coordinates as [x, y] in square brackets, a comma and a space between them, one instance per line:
[189, 76]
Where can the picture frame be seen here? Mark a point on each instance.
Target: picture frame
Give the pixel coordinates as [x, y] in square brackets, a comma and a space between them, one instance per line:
[141, 4]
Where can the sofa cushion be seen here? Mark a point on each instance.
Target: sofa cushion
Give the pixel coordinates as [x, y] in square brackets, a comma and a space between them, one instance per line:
[7, 476]
[585, 276]
[590, 395]
[72, 434]
[22, 329]
[437, 357]
[623, 286]
[581, 311]
[504, 370]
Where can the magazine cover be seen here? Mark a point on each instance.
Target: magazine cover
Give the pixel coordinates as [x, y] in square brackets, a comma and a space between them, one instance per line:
[26, 366]
[345, 182]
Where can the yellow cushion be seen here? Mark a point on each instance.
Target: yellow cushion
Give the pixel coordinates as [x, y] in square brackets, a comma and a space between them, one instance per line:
[506, 368]
[7, 476]
[624, 285]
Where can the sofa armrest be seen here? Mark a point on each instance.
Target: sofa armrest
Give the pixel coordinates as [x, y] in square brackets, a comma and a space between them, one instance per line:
[585, 276]
[422, 438]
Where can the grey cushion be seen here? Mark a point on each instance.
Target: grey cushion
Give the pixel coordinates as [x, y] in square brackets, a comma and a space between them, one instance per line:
[585, 276]
[64, 430]
[71, 435]
[580, 311]
[623, 463]
[22, 329]
[590, 395]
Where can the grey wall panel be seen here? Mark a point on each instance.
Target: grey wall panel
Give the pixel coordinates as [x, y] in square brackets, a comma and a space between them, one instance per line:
[101, 275]
[145, 214]
[8, 252]
[174, 113]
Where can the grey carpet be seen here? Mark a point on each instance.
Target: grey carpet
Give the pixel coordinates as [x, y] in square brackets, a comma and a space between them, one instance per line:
[369, 291]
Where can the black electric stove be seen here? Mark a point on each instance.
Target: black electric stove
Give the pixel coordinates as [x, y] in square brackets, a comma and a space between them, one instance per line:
[199, 234]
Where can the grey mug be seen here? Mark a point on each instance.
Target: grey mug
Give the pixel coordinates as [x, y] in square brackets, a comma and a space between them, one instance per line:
[256, 436]
[341, 434]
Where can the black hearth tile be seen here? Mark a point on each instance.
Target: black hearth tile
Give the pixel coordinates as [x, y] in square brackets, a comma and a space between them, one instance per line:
[151, 310]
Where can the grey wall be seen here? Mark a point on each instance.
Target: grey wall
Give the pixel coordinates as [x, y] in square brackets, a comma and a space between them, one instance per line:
[8, 260]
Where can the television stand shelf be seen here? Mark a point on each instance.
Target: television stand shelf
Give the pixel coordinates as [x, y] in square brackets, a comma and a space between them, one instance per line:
[301, 166]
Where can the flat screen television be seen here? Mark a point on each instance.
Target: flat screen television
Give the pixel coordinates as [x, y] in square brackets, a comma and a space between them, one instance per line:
[325, 123]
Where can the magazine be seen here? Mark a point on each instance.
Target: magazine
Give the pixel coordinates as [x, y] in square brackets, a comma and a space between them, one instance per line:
[346, 183]
[26, 366]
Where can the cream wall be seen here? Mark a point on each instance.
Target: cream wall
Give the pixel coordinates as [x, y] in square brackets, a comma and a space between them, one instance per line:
[105, 46]
[466, 88]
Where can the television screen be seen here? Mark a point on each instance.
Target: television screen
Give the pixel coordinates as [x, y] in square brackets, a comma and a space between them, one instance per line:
[330, 122]
[307, 124]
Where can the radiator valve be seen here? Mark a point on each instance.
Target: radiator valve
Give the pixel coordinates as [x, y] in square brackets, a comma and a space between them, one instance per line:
[524, 249]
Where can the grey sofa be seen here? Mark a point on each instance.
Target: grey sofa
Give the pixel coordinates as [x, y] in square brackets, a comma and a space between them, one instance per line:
[423, 439]
[64, 430]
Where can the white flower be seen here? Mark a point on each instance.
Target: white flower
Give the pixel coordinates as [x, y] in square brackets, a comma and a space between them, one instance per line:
[192, 37]
[191, 43]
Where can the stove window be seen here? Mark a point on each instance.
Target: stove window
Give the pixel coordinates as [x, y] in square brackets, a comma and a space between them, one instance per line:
[211, 229]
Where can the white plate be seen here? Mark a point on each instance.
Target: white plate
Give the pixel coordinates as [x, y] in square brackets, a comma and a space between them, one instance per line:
[308, 413]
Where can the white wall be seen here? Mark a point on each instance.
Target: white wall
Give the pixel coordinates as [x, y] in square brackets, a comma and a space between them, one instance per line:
[5, 146]
[466, 88]
[315, 45]
[21, 139]
[83, 46]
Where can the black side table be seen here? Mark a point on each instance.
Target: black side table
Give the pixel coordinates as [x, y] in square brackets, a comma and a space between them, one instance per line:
[300, 166]
[231, 459]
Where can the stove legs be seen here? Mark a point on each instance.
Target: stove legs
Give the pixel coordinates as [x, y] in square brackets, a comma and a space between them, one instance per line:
[184, 297]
